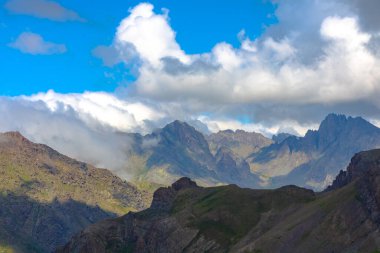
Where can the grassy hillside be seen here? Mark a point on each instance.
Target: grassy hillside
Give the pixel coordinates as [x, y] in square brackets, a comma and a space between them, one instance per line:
[47, 197]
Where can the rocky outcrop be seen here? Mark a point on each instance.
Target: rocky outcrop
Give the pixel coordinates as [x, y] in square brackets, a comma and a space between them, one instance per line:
[364, 171]
[362, 164]
[163, 197]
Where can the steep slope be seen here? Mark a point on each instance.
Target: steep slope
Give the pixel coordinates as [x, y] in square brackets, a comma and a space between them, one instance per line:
[179, 150]
[242, 143]
[46, 197]
[315, 159]
[188, 218]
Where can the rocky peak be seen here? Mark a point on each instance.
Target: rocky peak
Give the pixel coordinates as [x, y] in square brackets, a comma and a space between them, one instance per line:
[330, 129]
[362, 164]
[163, 197]
[339, 127]
[333, 121]
[239, 137]
[184, 183]
[15, 137]
[178, 127]
[183, 133]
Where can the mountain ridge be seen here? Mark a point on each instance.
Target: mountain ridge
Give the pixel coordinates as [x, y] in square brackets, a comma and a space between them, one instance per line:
[315, 159]
[189, 218]
[310, 161]
[46, 197]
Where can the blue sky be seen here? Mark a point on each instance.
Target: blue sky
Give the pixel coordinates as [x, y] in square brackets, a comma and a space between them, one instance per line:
[199, 26]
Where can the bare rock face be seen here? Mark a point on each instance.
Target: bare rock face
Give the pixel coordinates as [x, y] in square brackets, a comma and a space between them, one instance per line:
[362, 164]
[364, 171]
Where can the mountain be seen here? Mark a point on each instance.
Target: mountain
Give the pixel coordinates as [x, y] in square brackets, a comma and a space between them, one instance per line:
[315, 159]
[47, 197]
[189, 218]
[179, 150]
[242, 143]
[278, 138]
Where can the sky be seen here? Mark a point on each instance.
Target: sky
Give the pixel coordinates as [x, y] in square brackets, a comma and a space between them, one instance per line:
[75, 69]
[75, 75]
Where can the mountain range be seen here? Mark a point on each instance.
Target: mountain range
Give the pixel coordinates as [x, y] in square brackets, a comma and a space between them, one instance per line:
[179, 149]
[47, 197]
[189, 218]
[250, 159]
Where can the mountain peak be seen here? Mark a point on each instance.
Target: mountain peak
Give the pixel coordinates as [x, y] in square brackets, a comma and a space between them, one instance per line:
[14, 134]
[15, 137]
[178, 124]
[183, 133]
[333, 121]
[163, 197]
[183, 183]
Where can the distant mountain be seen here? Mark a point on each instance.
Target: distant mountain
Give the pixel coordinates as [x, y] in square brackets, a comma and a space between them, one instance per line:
[251, 159]
[179, 150]
[315, 159]
[278, 138]
[242, 143]
[46, 197]
[189, 218]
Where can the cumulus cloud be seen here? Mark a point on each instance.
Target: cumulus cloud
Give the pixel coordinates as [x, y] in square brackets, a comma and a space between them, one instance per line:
[323, 61]
[346, 71]
[143, 35]
[32, 43]
[42, 9]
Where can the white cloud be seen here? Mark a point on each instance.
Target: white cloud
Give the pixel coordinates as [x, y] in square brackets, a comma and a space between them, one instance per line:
[319, 64]
[102, 108]
[150, 35]
[42, 9]
[32, 43]
[290, 126]
[274, 74]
